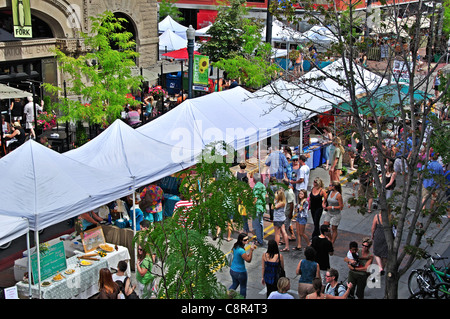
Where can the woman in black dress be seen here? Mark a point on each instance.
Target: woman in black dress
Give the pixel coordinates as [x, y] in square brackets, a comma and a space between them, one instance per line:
[316, 199]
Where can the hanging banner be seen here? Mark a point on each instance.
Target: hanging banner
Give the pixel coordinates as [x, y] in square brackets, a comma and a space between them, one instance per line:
[400, 72]
[201, 70]
[21, 18]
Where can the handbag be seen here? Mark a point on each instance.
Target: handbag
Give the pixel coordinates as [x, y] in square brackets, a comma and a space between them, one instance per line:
[280, 273]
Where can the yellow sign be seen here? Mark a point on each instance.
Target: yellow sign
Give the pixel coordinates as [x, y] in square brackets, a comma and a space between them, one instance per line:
[21, 18]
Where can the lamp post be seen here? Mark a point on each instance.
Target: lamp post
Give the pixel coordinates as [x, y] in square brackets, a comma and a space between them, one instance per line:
[190, 34]
[269, 24]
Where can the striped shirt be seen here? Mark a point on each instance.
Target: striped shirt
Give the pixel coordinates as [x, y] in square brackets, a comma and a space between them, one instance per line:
[182, 208]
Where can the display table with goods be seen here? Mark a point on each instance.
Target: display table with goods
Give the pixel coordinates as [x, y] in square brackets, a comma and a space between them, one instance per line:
[71, 278]
[122, 237]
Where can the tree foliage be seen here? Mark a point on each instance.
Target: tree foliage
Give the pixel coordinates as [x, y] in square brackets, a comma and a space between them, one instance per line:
[103, 76]
[252, 64]
[414, 221]
[188, 262]
[226, 32]
[167, 8]
[236, 46]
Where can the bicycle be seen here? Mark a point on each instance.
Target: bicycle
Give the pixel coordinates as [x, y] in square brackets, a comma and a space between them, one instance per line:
[430, 282]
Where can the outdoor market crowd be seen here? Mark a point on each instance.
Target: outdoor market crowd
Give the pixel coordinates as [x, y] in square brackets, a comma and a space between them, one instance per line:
[290, 204]
[20, 124]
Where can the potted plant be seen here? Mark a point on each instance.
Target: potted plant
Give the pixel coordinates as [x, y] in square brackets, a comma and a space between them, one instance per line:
[46, 121]
[157, 92]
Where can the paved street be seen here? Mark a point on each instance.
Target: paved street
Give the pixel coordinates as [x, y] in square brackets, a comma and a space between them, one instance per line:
[353, 227]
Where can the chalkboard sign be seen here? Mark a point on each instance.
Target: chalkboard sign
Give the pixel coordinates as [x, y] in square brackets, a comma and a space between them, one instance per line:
[306, 132]
[52, 261]
[92, 238]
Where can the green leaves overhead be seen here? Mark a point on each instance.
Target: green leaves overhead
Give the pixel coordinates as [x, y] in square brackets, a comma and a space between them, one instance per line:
[103, 76]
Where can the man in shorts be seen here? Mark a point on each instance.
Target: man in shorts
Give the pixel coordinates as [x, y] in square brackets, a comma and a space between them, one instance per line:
[430, 184]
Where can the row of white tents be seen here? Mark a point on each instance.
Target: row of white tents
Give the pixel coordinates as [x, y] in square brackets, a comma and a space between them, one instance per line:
[173, 35]
[41, 187]
[46, 187]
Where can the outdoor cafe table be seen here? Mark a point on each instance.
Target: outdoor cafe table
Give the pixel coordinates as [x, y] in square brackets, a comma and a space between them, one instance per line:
[82, 284]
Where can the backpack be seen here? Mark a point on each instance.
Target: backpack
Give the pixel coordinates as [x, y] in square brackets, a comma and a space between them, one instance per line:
[336, 289]
[121, 285]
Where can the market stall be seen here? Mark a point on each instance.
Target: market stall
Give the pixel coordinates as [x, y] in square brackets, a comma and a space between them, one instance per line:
[75, 277]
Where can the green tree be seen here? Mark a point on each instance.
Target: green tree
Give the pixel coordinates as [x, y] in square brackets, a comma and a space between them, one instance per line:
[188, 261]
[236, 46]
[102, 76]
[226, 32]
[414, 220]
[167, 8]
[252, 63]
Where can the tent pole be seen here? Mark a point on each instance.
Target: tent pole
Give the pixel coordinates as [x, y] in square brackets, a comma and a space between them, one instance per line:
[259, 156]
[300, 146]
[134, 227]
[30, 295]
[36, 236]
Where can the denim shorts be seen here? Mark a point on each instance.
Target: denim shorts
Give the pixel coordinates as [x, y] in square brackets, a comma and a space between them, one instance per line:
[302, 220]
[278, 224]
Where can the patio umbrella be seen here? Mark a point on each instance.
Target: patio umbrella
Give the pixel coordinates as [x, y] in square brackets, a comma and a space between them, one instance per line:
[8, 92]
[179, 54]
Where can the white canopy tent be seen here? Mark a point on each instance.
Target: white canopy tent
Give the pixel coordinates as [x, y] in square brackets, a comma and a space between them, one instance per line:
[203, 31]
[170, 24]
[231, 116]
[320, 36]
[365, 80]
[292, 102]
[46, 188]
[124, 150]
[282, 33]
[315, 92]
[169, 41]
[11, 228]
[276, 53]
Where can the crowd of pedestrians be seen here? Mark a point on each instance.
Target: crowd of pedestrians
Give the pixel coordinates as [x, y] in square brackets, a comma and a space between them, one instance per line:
[290, 204]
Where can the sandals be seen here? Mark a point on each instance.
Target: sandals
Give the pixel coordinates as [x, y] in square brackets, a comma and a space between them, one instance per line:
[285, 249]
[298, 248]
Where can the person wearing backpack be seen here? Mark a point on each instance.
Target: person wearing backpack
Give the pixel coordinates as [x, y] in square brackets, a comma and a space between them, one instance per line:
[124, 281]
[335, 289]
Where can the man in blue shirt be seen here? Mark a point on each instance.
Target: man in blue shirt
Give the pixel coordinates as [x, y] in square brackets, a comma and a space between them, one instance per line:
[430, 182]
[278, 164]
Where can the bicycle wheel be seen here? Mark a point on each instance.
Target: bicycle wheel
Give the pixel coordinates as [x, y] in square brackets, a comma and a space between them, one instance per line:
[442, 290]
[420, 280]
